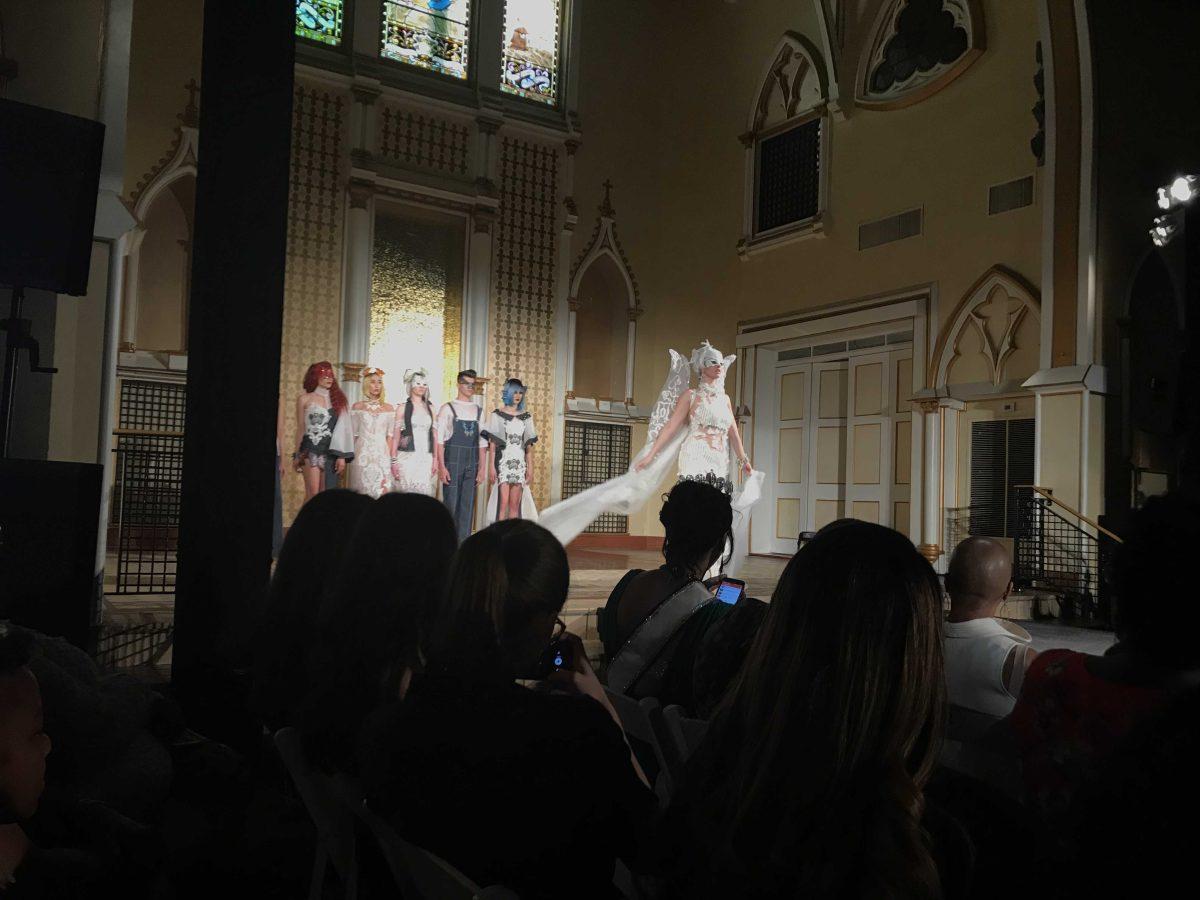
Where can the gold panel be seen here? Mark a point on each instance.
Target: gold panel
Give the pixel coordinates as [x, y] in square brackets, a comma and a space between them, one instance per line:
[868, 389]
[793, 393]
[865, 510]
[787, 519]
[903, 452]
[831, 454]
[867, 453]
[900, 517]
[832, 402]
[791, 455]
[826, 511]
[416, 301]
[903, 384]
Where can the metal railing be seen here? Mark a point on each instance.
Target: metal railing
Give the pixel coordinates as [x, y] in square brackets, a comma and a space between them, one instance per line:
[147, 490]
[1061, 551]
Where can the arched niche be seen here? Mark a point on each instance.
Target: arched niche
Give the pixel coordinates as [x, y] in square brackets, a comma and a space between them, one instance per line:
[914, 51]
[604, 306]
[991, 343]
[158, 270]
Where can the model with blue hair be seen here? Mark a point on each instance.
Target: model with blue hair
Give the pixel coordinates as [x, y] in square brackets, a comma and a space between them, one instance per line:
[511, 437]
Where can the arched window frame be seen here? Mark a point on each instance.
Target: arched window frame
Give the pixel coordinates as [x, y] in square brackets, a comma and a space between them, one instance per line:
[794, 68]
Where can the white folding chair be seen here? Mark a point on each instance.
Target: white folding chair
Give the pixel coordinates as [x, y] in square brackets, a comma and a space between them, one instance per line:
[643, 719]
[329, 813]
[419, 874]
[683, 735]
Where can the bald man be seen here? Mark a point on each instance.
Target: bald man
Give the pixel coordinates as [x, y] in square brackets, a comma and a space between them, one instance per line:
[986, 657]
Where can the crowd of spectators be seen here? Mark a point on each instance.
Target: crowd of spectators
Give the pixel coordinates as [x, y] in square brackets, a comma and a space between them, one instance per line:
[441, 681]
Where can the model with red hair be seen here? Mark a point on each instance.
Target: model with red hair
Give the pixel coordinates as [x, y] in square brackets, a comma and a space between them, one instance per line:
[326, 439]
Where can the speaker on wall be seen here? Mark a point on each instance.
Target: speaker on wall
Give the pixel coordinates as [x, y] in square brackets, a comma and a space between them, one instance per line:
[49, 523]
[49, 175]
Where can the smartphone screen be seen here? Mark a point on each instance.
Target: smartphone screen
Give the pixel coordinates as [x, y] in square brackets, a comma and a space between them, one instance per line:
[730, 590]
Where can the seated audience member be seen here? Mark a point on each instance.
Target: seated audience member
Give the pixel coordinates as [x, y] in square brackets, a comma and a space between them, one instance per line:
[986, 657]
[810, 780]
[77, 848]
[1075, 708]
[533, 789]
[369, 625]
[1133, 826]
[308, 565]
[655, 620]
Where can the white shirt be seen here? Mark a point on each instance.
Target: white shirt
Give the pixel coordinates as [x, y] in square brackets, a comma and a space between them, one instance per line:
[975, 652]
[468, 410]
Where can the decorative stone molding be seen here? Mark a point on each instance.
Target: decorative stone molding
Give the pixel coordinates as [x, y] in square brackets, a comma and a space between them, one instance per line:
[361, 193]
[605, 242]
[993, 309]
[909, 58]
[930, 551]
[352, 371]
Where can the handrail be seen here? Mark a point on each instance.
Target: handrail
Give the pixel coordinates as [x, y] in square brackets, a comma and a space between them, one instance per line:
[146, 432]
[1048, 493]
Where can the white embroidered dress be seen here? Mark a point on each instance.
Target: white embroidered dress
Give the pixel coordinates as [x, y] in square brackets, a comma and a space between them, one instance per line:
[415, 467]
[700, 449]
[370, 472]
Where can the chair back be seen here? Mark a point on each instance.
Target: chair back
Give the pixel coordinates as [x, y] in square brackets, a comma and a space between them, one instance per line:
[323, 800]
[643, 719]
[683, 734]
[419, 874]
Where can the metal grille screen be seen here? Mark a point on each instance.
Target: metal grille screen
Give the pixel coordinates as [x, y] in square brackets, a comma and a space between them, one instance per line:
[594, 452]
[789, 185]
[1001, 456]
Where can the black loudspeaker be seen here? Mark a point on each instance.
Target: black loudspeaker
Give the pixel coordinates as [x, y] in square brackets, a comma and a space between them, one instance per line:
[49, 518]
[49, 175]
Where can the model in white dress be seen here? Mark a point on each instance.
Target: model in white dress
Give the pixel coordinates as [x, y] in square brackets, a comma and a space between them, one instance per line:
[693, 428]
[371, 473]
[511, 436]
[414, 465]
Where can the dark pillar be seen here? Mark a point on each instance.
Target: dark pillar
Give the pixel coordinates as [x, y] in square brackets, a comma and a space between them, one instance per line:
[234, 327]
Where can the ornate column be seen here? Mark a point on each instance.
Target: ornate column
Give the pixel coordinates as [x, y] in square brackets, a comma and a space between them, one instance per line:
[635, 313]
[564, 325]
[356, 297]
[478, 301]
[931, 502]
[133, 247]
[569, 363]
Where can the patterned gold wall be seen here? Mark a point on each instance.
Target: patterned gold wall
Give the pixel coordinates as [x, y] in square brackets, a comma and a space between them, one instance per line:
[313, 284]
[421, 140]
[524, 267]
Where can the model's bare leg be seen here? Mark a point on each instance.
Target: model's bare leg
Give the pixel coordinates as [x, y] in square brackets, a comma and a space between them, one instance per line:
[502, 502]
[314, 480]
[514, 501]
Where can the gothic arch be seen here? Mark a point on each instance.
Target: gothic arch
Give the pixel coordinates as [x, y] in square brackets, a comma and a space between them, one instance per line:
[794, 80]
[891, 75]
[997, 339]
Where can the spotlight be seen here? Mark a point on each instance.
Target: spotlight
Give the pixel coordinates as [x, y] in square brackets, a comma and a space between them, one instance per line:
[1163, 230]
[1183, 189]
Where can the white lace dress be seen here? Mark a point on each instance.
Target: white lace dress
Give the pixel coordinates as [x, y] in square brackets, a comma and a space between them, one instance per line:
[415, 467]
[704, 453]
[370, 472]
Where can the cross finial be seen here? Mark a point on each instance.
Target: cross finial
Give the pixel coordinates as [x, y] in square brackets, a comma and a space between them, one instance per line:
[191, 113]
[606, 208]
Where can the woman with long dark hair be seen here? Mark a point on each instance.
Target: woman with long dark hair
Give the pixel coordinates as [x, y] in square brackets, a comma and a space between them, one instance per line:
[810, 780]
[309, 564]
[370, 623]
[532, 789]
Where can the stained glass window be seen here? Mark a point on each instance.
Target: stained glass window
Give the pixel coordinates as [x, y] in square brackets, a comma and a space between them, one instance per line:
[431, 34]
[530, 64]
[320, 20]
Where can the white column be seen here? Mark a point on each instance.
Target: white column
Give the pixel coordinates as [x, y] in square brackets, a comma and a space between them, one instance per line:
[948, 409]
[356, 298]
[630, 350]
[931, 502]
[108, 391]
[478, 300]
[129, 315]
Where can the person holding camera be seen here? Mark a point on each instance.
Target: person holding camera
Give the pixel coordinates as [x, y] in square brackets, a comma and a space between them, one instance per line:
[535, 789]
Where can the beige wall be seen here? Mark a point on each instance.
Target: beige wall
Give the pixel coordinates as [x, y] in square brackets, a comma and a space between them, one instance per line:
[162, 275]
[56, 44]
[678, 171]
[164, 54]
